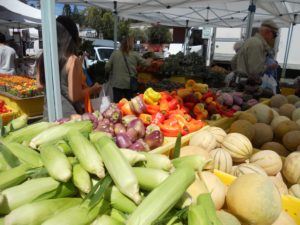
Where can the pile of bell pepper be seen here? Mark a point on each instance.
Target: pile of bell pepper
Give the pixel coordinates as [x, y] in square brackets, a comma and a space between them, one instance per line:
[163, 109]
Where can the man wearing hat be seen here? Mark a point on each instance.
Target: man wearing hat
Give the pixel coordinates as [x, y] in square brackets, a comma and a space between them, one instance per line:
[251, 58]
[7, 57]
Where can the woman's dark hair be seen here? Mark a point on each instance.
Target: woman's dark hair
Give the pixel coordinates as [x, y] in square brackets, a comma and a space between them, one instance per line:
[2, 38]
[126, 44]
[67, 44]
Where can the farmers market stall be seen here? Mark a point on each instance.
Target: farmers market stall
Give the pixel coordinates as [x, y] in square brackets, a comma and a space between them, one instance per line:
[21, 94]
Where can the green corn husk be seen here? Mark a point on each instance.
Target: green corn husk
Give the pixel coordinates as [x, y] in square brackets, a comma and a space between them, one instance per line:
[197, 215]
[37, 212]
[64, 147]
[56, 163]
[13, 176]
[206, 201]
[118, 215]
[25, 154]
[106, 220]
[9, 160]
[157, 161]
[149, 178]
[1, 221]
[162, 199]
[132, 156]
[59, 132]
[27, 133]
[33, 190]
[81, 179]
[119, 201]
[197, 162]
[79, 214]
[18, 123]
[119, 168]
[96, 135]
[86, 153]
[73, 160]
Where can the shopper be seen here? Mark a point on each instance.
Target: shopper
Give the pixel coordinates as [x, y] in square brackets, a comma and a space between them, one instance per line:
[251, 58]
[122, 64]
[7, 57]
[73, 92]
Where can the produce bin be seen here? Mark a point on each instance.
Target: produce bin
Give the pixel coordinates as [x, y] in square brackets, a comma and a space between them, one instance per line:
[144, 77]
[7, 117]
[32, 106]
[180, 79]
[290, 204]
[287, 91]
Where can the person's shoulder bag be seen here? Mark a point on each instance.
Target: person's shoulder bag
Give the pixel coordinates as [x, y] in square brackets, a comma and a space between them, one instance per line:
[134, 84]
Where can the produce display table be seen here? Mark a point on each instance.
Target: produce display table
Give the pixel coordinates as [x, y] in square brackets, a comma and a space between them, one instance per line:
[32, 106]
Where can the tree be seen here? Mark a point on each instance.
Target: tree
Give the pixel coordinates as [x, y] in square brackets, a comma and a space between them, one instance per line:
[76, 16]
[67, 10]
[158, 34]
[139, 34]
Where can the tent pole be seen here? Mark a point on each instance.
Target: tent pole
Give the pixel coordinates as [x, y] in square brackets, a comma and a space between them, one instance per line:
[51, 60]
[185, 47]
[251, 9]
[115, 25]
[287, 49]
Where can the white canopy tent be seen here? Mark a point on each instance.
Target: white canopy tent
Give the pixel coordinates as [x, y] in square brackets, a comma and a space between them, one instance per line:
[14, 13]
[213, 13]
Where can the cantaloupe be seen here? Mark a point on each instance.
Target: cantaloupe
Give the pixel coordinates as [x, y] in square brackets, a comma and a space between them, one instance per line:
[294, 190]
[221, 159]
[227, 218]
[219, 134]
[277, 120]
[243, 127]
[254, 199]
[263, 134]
[279, 183]
[291, 140]
[246, 168]
[248, 116]
[291, 168]
[284, 219]
[275, 112]
[204, 139]
[296, 114]
[263, 113]
[268, 160]
[278, 100]
[276, 147]
[287, 110]
[298, 122]
[196, 150]
[292, 99]
[297, 104]
[285, 127]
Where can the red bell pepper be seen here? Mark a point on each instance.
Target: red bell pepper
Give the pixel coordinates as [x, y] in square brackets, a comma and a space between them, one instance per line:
[187, 117]
[189, 105]
[179, 100]
[198, 108]
[158, 118]
[173, 104]
[122, 102]
[180, 119]
[146, 118]
[172, 130]
[207, 95]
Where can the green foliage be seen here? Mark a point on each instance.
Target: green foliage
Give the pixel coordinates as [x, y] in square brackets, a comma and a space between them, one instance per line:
[139, 34]
[158, 34]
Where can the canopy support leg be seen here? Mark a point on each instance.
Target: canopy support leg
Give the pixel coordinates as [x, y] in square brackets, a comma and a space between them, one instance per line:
[252, 9]
[115, 12]
[186, 38]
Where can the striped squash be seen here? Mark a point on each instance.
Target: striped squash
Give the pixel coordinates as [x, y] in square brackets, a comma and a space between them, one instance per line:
[246, 168]
[238, 146]
[219, 134]
[222, 160]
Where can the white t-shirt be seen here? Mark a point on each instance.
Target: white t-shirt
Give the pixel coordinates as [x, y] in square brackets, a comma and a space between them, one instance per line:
[7, 59]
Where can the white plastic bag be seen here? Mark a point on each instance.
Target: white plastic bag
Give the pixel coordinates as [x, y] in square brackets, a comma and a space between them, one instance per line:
[268, 81]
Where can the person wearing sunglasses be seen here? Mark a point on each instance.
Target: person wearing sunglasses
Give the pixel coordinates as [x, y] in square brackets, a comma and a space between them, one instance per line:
[251, 58]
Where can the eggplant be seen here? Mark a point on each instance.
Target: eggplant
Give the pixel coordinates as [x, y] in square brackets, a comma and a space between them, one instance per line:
[138, 125]
[119, 128]
[139, 145]
[237, 100]
[151, 128]
[138, 105]
[154, 139]
[113, 113]
[132, 133]
[236, 107]
[123, 140]
[127, 119]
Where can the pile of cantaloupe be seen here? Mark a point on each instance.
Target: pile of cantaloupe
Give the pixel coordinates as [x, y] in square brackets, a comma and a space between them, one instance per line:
[254, 197]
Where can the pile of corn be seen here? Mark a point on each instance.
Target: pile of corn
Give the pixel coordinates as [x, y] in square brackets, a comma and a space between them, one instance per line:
[66, 174]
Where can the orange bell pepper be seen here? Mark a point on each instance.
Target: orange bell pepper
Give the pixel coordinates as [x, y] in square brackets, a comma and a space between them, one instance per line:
[198, 95]
[179, 100]
[190, 83]
[122, 102]
[126, 109]
[198, 108]
[209, 100]
[195, 125]
[172, 130]
[146, 118]
[152, 109]
[163, 106]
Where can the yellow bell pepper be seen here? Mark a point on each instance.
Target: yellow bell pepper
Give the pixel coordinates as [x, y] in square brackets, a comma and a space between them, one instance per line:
[151, 97]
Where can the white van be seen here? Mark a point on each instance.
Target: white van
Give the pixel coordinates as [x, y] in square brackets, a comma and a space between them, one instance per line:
[34, 48]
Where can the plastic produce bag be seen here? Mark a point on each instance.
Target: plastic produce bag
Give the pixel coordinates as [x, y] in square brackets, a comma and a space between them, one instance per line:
[268, 81]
